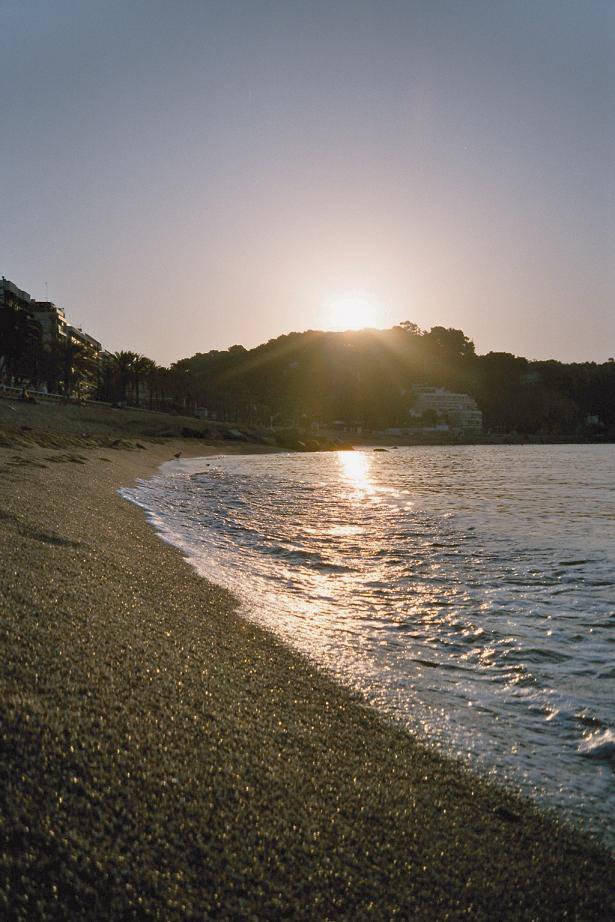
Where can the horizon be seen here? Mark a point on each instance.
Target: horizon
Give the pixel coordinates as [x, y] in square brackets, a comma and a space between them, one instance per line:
[178, 178]
[324, 330]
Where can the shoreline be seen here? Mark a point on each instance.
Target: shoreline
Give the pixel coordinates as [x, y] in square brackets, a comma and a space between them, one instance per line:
[593, 821]
[163, 757]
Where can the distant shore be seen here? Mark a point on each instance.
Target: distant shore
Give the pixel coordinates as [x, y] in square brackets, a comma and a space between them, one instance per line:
[510, 438]
[163, 758]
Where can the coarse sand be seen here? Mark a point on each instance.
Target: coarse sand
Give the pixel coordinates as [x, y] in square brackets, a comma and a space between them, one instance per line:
[163, 758]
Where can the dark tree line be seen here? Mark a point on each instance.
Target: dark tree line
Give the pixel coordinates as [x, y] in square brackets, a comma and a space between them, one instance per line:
[366, 378]
[362, 378]
[72, 369]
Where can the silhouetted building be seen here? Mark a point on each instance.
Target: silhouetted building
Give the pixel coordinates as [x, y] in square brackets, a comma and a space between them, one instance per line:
[52, 321]
[14, 297]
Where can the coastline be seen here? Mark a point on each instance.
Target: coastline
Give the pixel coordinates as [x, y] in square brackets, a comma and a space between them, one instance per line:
[164, 758]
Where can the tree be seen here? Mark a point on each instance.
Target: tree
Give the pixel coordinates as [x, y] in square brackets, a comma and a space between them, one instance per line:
[123, 362]
[141, 367]
[407, 326]
[452, 343]
[20, 345]
[78, 367]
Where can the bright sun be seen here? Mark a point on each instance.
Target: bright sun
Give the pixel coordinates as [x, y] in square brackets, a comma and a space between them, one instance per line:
[352, 310]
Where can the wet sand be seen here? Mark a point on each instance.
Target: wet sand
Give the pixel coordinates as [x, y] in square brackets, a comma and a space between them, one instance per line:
[162, 758]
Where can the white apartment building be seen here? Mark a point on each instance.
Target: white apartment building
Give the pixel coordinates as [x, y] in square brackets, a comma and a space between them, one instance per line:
[459, 410]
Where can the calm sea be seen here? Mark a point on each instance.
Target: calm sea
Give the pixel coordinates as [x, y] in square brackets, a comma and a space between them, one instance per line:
[468, 592]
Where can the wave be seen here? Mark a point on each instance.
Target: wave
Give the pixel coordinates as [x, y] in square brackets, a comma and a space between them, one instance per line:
[600, 746]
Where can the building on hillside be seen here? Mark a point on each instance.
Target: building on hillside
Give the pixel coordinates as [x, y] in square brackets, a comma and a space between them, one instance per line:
[87, 376]
[459, 410]
[12, 296]
[32, 324]
[76, 335]
[16, 330]
[51, 320]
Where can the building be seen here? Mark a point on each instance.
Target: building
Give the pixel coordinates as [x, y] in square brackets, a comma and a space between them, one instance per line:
[14, 297]
[459, 410]
[49, 316]
[51, 320]
[76, 335]
[29, 325]
[18, 333]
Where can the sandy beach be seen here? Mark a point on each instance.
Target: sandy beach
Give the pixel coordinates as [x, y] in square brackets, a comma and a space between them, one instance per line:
[163, 758]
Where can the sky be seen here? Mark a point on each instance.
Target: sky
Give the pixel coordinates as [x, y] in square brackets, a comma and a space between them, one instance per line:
[183, 175]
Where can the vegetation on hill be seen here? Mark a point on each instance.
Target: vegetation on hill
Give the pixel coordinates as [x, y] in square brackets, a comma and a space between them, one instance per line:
[356, 379]
[365, 378]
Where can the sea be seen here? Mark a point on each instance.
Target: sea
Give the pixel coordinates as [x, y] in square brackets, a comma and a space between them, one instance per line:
[467, 592]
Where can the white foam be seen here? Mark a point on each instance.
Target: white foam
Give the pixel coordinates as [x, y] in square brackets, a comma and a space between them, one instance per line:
[599, 745]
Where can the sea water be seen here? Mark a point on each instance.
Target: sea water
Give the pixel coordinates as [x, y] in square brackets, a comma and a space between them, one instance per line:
[468, 592]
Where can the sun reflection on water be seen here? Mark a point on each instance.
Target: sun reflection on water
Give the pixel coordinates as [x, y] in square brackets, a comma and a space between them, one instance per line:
[356, 469]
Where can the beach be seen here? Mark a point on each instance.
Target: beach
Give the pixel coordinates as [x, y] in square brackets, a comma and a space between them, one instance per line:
[164, 758]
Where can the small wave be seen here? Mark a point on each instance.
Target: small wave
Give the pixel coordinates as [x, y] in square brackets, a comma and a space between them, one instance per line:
[588, 719]
[599, 746]
[301, 556]
[539, 654]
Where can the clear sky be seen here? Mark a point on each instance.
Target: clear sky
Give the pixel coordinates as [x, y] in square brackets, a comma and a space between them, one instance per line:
[189, 174]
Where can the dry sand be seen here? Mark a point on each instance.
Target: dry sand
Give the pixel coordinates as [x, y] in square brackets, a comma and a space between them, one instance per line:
[162, 758]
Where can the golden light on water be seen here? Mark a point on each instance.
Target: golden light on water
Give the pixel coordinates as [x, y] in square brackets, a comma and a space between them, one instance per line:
[355, 469]
[353, 310]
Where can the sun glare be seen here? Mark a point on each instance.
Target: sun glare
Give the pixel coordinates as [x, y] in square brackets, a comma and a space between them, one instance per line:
[352, 310]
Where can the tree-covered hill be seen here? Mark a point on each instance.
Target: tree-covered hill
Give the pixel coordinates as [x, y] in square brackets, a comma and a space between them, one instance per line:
[356, 378]
[366, 377]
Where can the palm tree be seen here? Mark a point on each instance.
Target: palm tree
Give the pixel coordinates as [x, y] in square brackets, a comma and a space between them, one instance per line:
[124, 361]
[141, 368]
[160, 386]
[78, 366]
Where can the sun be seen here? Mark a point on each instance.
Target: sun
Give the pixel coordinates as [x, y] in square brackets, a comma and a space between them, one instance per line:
[352, 310]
